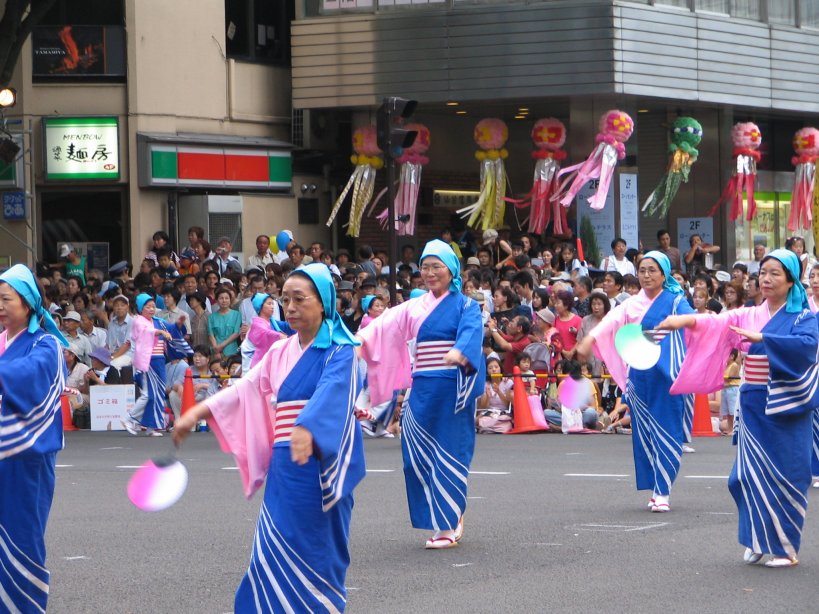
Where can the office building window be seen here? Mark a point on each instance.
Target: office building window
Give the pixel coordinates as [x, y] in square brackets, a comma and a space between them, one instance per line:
[715, 6]
[259, 30]
[748, 9]
[782, 11]
[809, 13]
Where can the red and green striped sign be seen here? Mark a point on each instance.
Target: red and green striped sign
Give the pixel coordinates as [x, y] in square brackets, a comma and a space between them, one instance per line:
[219, 167]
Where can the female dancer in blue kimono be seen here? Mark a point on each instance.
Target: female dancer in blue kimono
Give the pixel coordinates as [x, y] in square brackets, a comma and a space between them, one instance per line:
[438, 419]
[312, 456]
[772, 472]
[152, 339]
[31, 434]
[657, 416]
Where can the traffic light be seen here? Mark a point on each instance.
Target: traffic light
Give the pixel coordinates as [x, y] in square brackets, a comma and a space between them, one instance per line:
[392, 137]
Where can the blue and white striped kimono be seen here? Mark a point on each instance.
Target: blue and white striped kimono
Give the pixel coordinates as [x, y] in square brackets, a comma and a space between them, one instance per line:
[31, 434]
[438, 420]
[772, 473]
[658, 417]
[300, 551]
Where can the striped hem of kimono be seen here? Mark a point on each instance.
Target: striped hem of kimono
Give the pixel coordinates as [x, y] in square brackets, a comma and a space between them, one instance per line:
[774, 505]
[23, 583]
[281, 581]
[334, 475]
[442, 476]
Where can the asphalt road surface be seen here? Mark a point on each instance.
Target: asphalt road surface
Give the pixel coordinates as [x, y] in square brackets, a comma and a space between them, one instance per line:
[554, 524]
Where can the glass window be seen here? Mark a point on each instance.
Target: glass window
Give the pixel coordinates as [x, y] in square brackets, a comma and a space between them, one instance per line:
[769, 227]
[782, 11]
[809, 13]
[715, 6]
[681, 3]
[259, 30]
[746, 8]
[86, 13]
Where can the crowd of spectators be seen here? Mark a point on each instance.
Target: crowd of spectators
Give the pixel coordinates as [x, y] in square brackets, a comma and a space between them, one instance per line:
[538, 299]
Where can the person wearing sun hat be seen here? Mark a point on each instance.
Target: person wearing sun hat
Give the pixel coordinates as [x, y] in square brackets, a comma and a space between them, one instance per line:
[772, 472]
[438, 436]
[658, 416]
[32, 378]
[301, 550]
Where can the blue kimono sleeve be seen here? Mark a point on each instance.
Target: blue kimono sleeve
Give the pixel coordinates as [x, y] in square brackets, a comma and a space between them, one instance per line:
[794, 373]
[329, 416]
[31, 382]
[176, 347]
[469, 338]
[282, 326]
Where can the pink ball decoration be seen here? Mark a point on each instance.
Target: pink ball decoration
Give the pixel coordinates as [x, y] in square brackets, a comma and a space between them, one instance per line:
[806, 142]
[422, 141]
[617, 124]
[746, 136]
[491, 133]
[549, 133]
[365, 141]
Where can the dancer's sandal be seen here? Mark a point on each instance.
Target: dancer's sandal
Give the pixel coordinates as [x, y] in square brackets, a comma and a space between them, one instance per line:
[781, 561]
[660, 507]
[440, 543]
[459, 530]
[751, 557]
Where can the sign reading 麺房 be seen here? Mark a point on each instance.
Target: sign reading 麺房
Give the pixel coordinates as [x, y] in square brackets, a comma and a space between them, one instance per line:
[81, 148]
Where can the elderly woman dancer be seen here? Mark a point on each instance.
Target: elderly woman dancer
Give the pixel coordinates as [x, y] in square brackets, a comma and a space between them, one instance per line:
[772, 472]
[438, 422]
[657, 415]
[32, 378]
[312, 456]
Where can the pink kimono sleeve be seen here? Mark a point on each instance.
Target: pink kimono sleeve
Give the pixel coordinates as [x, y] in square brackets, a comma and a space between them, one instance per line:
[143, 336]
[708, 345]
[385, 351]
[604, 334]
[242, 422]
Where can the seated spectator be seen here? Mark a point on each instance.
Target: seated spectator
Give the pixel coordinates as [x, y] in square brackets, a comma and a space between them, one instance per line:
[75, 378]
[699, 301]
[631, 285]
[165, 266]
[513, 341]
[734, 295]
[161, 241]
[703, 281]
[620, 418]
[204, 384]
[493, 414]
[524, 362]
[97, 337]
[588, 398]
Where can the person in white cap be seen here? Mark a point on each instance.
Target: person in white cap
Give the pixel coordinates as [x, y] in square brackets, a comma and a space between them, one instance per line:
[71, 325]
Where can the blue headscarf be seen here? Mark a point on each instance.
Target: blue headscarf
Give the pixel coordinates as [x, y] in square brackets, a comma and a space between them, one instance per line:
[670, 284]
[444, 252]
[22, 281]
[797, 297]
[258, 301]
[332, 330]
[416, 292]
[140, 301]
[365, 302]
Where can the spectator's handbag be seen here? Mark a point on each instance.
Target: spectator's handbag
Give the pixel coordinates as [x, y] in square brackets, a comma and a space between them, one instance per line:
[571, 420]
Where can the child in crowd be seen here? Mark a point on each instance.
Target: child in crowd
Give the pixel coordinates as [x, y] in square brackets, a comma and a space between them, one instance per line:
[730, 393]
[524, 363]
[493, 405]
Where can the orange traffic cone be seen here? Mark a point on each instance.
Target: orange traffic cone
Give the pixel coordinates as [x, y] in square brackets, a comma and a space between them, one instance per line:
[188, 397]
[68, 424]
[701, 426]
[521, 412]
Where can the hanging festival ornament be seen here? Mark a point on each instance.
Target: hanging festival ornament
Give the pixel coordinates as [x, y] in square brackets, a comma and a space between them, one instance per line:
[615, 129]
[548, 136]
[487, 212]
[367, 160]
[746, 138]
[806, 146]
[686, 134]
[409, 182]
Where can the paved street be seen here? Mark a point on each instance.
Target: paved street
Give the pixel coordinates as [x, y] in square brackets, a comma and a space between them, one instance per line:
[554, 525]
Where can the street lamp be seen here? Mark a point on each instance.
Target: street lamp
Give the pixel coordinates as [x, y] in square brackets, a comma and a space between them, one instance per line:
[8, 97]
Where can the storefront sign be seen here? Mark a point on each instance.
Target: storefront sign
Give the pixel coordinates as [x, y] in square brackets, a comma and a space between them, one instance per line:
[14, 205]
[629, 210]
[212, 166]
[81, 148]
[11, 175]
[454, 198]
[78, 51]
[110, 406]
[602, 220]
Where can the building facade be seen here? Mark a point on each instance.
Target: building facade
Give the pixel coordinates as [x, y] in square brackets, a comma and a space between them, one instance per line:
[720, 61]
[138, 116]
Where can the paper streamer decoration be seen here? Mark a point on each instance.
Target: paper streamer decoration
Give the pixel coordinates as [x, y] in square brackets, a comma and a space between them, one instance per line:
[636, 350]
[686, 134]
[409, 182]
[157, 484]
[548, 136]
[615, 129]
[806, 146]
[487, 212]
[746, 138]
[367, 160]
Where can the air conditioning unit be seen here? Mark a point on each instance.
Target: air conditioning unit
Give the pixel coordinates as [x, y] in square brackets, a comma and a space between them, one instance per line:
[312, 129]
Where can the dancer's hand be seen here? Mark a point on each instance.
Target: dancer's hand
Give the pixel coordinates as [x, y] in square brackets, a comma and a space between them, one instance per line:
[301, 445]
[750, 335]
[454, 357]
